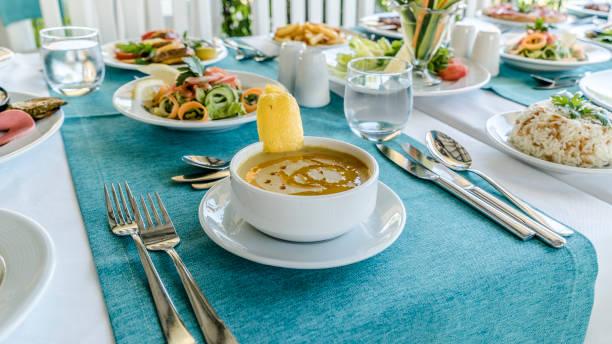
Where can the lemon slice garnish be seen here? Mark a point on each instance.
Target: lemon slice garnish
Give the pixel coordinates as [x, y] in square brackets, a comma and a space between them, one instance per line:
[161, 71]
[146, 89]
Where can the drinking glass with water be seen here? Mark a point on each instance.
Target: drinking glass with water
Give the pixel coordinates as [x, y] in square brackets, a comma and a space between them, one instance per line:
[378, 97]
[72, 59]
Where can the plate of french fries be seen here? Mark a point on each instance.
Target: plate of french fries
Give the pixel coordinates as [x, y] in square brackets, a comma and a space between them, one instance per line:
[313, 34]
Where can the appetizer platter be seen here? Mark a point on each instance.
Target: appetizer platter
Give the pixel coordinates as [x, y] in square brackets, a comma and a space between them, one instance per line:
[565, 134]
[540, 49]
[458, 75]
[386, 24]
[313, 34]
[508, 15]
[274, 208]
[596, 86]
[26, 121]
[589, 8]
[160, 46]
[601, 36]
[193, 97]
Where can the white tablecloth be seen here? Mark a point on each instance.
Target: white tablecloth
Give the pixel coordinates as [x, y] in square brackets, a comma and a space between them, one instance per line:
[38, 184]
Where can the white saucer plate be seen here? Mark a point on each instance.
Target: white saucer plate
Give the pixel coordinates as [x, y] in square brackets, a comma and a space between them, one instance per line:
[366, 24]
[108, 54]
[123, 102]
[477, 77]
[228, 230]
[577, 9]
[596, 86]
[44, 129]
[595, 54]
[499, 128]
[30, 261]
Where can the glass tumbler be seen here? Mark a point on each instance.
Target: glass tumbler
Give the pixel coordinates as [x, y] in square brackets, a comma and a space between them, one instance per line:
[378, 97]
[72, 59]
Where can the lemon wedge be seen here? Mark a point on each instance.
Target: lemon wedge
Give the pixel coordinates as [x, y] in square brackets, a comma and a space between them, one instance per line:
[279, 123]
[146, 89]
[206, 53]
[395, 66]
[161, 71]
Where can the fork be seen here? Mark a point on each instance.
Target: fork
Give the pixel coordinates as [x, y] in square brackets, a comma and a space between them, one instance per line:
[122, 223]
[161, 235]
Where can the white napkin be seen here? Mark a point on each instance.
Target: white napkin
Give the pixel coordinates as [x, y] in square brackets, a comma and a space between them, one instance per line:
[264, 43]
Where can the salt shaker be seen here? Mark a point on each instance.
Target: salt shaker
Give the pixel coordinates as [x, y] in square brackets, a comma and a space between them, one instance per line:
[462, 39]
[486, 49]
[287, 63]
[312, 79]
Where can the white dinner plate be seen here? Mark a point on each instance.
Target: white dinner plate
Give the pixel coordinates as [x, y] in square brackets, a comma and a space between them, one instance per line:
[577, 9]
[123, 102]
[28, 253]
[368, 24]
[595, 54]
[516, 24]
[44, 129]
[476, 78]
[228, 230]
[6, 55]
[583, 37]
[108, 53]
[598, 87]
[499, 128]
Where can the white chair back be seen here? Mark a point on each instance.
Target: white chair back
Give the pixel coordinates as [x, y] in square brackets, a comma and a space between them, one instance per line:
[267, 15]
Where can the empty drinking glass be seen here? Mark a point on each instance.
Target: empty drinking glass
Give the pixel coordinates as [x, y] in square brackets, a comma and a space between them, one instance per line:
[378, 97]
[72, 59]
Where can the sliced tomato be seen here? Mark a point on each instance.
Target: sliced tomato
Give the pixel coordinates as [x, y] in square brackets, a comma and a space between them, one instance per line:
[454, 71]
[147, 35]
[120, 55]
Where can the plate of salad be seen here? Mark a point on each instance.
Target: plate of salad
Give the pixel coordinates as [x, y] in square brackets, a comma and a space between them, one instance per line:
[160, 46]
[192, 97]
[601, 36]
[458, 75]
[541, 49]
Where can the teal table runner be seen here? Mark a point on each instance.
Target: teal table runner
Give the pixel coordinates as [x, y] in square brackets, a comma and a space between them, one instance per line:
[453, 276]
[517, 85]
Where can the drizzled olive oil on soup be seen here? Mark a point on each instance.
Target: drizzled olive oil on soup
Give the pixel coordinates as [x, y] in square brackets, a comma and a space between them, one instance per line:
[310, 171]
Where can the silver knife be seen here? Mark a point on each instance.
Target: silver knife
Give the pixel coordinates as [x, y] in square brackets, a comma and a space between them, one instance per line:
[508, 222]
[200, 177]
[548, 236]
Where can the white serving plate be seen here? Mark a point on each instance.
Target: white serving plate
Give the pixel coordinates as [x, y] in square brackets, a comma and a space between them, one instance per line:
[123, 102]
[363, 23]
[577, 8]
[477, 77]
[595, 54]
[44, 129]
[228, 230]
[499, 128]
[30, 261]
[583, 37]
[108, 54]
[598, 87]
[515, 24]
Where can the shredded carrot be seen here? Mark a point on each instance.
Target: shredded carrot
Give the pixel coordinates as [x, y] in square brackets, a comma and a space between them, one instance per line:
[192, 106]
[175, 107]
[250, 107]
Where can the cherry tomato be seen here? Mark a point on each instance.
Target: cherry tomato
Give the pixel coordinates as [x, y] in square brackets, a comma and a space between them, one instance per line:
[453, 72]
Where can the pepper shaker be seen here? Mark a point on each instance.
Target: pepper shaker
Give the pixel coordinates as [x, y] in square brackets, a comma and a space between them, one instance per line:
[312, 79]
[287, 63]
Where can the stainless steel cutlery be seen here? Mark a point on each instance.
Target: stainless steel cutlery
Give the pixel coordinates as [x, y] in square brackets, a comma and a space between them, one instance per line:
[122, 222]
[201, 177]
[159, 234]
[563, 81]
[215, 170]
[542, 232]
[506, 221]
[454, 156]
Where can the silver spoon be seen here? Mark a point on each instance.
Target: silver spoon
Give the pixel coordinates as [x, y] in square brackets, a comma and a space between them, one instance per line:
[2, 269]
[454, 156]
[208, 162]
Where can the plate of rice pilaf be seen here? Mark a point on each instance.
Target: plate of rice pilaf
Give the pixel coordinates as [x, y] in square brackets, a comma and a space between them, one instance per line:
[564, 134]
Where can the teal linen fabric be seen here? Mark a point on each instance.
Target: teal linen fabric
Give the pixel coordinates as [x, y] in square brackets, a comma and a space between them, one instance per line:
[453, 276]
[517, 85]
[12, 11]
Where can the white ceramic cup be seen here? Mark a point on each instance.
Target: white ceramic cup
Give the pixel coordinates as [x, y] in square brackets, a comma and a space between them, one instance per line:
[486, 49]
[312, 79]
[304, 218]
[462, 39]
[287, 63]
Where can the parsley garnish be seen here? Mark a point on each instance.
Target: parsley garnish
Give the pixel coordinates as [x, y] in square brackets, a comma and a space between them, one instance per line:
[578, 107]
